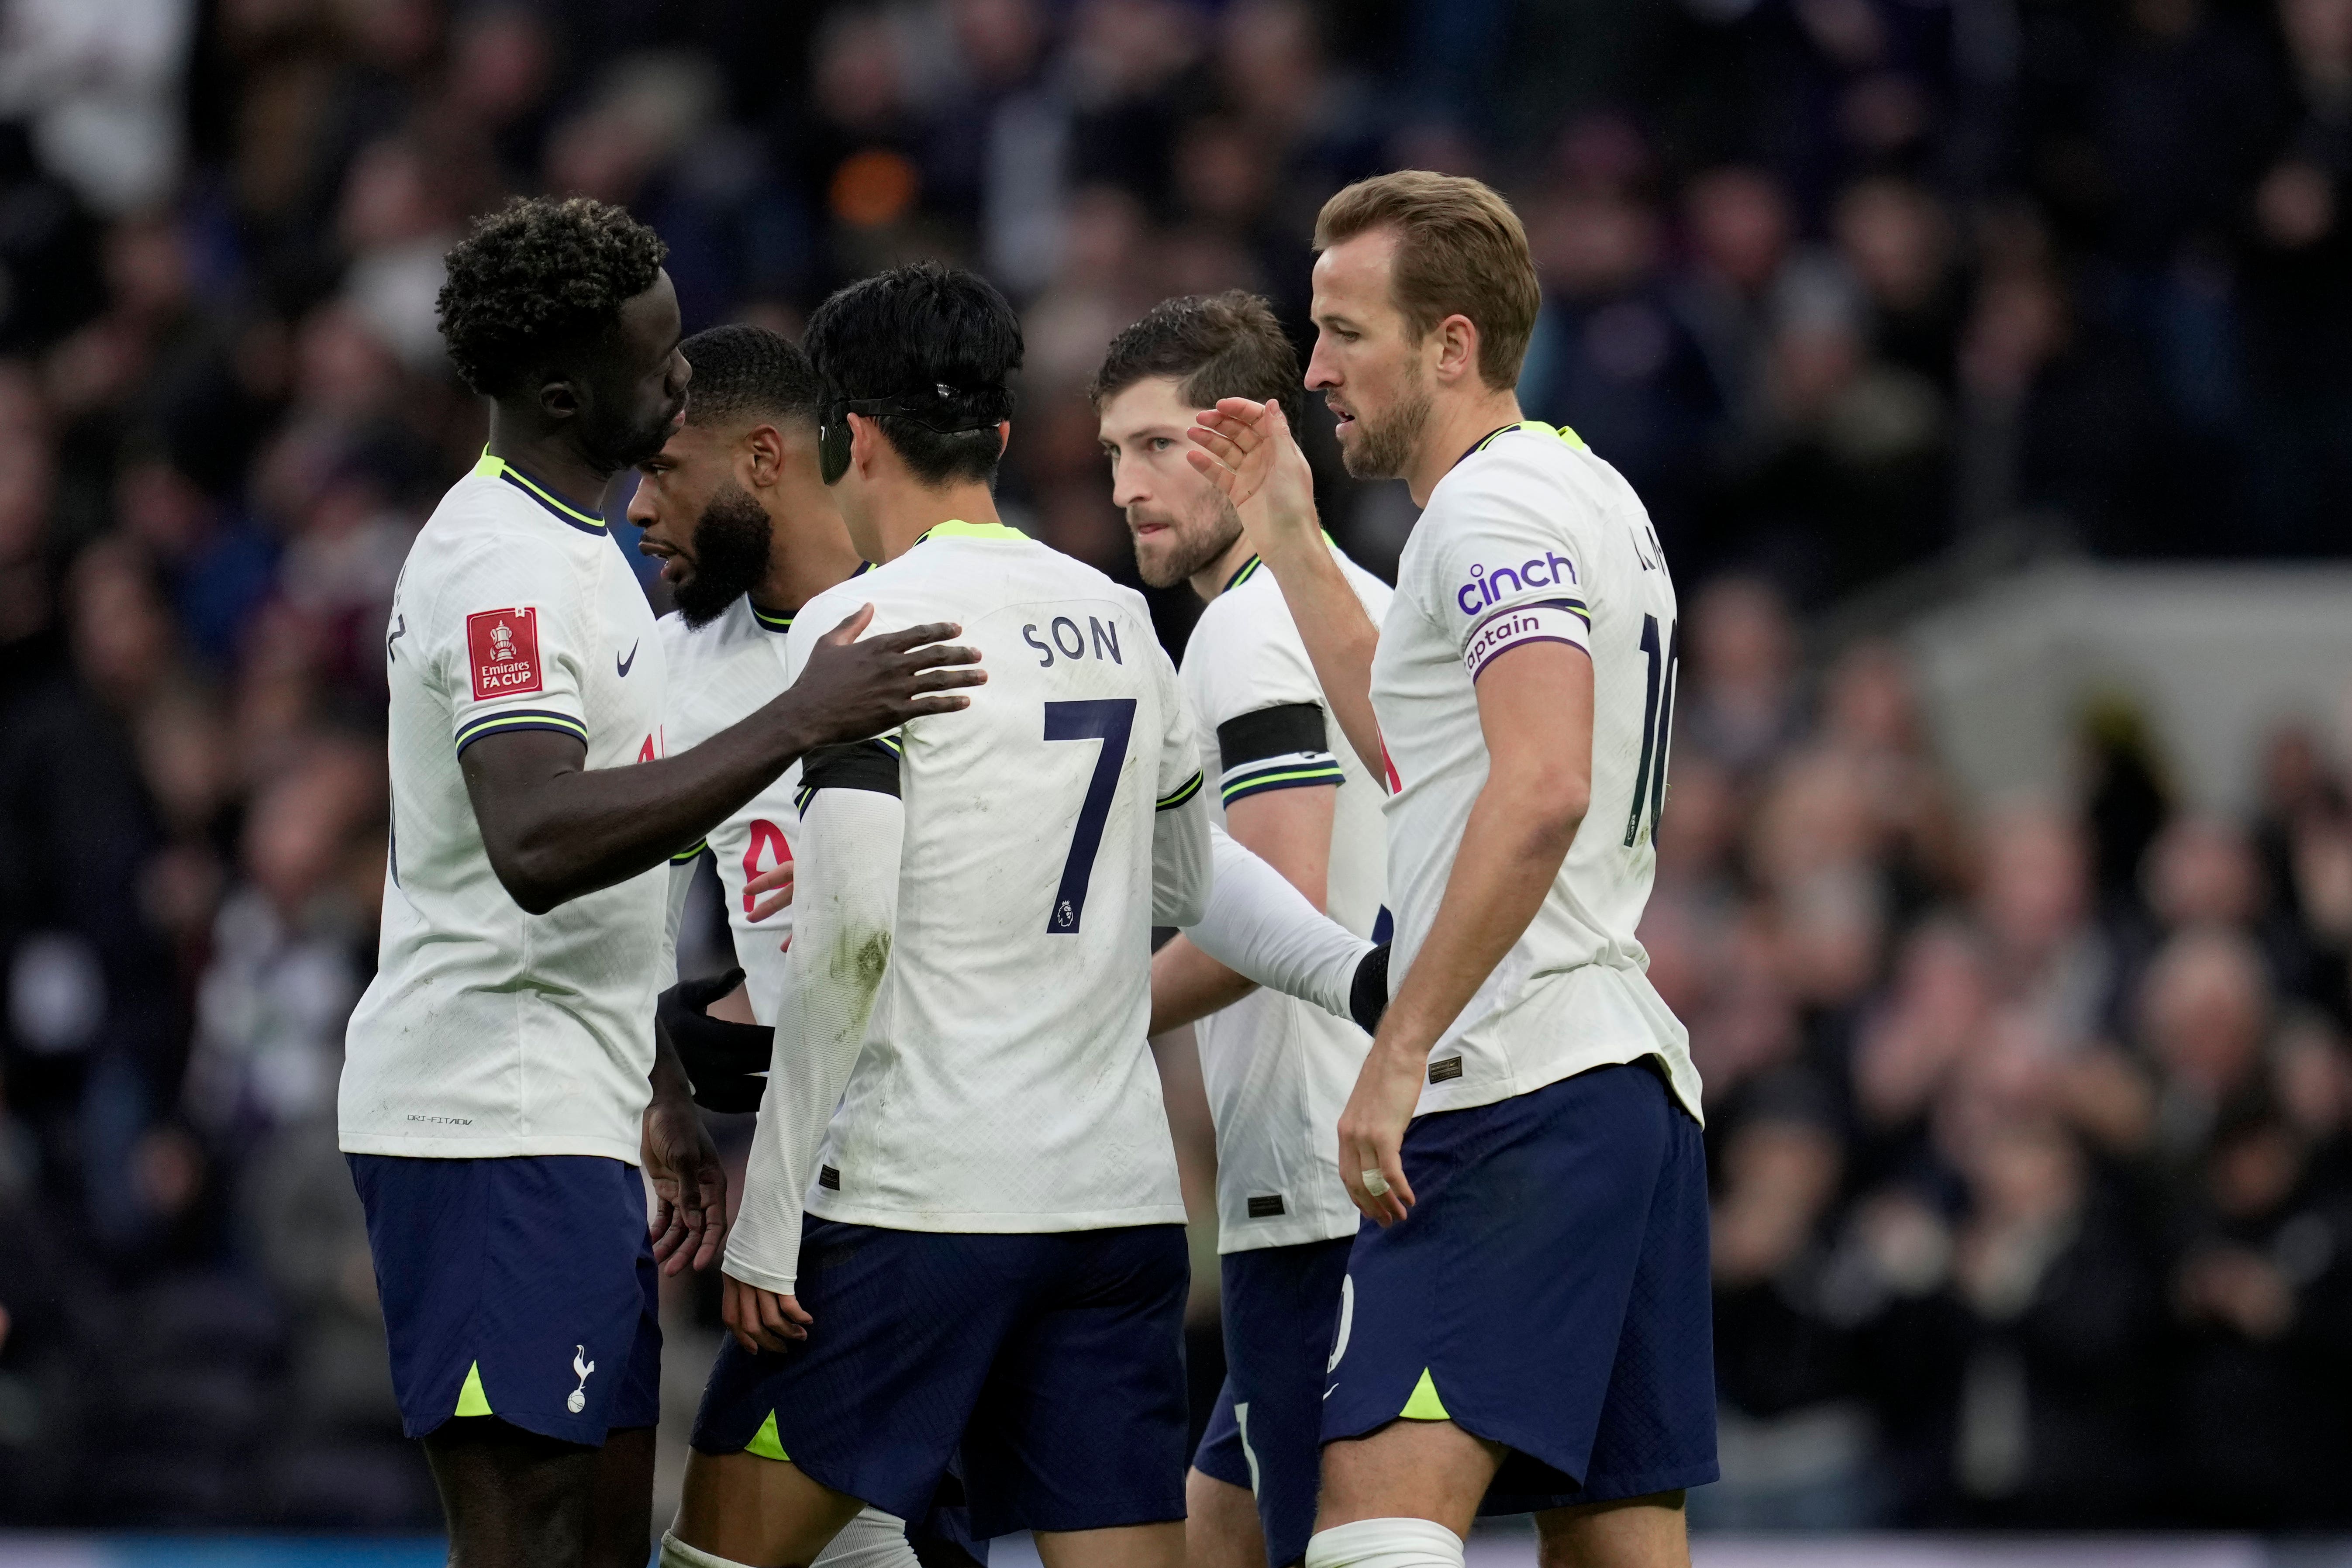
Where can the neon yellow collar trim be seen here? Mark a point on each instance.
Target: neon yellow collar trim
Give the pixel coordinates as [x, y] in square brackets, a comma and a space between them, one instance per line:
[1557, 432]
[492, 467]
[956, 528]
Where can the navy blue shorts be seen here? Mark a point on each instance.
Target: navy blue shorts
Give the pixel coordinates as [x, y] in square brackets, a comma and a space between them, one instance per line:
[1281, 1307]
[520, 1287]
[1548, 1292]
[1052, 1362]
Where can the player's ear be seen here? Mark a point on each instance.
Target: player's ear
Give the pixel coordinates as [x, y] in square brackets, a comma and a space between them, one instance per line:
[558, 398]
[1457, 349]
[864, 442]
[1003, 437]
[760, 457]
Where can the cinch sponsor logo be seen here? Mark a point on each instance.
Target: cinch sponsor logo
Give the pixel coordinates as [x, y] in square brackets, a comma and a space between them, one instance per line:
[1486, 586]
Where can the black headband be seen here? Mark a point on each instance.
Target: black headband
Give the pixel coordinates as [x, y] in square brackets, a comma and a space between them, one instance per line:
[940, 409]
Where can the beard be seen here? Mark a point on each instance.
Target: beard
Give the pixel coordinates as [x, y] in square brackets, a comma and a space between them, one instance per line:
[732, 539]
[1200, 539]
[1384, 448]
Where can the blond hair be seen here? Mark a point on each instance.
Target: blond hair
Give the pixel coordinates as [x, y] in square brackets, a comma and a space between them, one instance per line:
[1461, 251]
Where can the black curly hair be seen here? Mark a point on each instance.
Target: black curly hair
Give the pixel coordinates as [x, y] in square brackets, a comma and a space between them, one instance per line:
[536, 276]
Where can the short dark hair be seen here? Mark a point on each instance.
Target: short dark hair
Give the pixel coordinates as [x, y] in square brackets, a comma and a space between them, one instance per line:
[1214, 345]
[537, 278]
[940, 345]
[741, 371]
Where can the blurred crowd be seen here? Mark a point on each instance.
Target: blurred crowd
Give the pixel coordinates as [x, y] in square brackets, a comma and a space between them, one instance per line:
[2027, 1126]
[2030, 1126]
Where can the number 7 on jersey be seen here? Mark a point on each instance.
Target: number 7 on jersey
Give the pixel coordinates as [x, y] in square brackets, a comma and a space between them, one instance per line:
[1108, 719]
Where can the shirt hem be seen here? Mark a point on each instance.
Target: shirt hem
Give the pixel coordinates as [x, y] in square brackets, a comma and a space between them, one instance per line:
[1468, 1094]
[425, 1148]
[936, 1222]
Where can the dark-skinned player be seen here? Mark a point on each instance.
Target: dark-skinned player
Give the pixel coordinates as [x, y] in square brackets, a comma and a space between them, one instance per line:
[501, 1085]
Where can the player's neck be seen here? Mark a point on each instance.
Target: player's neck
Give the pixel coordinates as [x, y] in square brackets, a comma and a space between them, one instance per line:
[906, 517]
[1456, 425]
[548, 457]
[807, 559]
[1218, 575]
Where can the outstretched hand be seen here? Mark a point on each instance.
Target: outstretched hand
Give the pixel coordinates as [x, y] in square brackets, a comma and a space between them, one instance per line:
[850, 688]
[1246, 450]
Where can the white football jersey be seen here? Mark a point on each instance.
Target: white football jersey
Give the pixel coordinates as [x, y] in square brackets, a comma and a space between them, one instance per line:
[719, 675]
[1531, 538]
[1005, 1084]
[1278, 1070]
[489, 1031]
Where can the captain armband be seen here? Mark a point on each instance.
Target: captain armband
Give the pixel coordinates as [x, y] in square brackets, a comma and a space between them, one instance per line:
[1562, 620]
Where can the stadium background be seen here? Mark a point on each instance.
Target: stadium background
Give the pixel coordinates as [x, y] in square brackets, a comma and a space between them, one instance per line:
[2006, 890]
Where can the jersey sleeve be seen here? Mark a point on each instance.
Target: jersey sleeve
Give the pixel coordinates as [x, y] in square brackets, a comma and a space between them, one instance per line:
[846, 904]
[1180, 865]
[507, 642]
[1252, 684]
[1505, 572]
[1259, 926]
[1179, 770]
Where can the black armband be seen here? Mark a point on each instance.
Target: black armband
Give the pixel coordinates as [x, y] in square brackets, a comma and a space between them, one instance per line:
[1367, 993]
[1284, 747]
[726, 1063]
[860, 764]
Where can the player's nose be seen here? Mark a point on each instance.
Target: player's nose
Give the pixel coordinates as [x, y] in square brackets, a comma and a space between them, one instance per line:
[642, 509]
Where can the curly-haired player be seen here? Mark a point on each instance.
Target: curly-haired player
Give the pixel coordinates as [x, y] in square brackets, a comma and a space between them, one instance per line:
[500, 1084]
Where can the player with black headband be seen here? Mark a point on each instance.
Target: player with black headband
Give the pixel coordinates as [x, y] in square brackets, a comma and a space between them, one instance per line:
[992, 1254]
[746, 534]
[502, 1084]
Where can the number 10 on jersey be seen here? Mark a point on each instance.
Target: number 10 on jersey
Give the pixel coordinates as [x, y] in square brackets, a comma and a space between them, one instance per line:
[1110, 719]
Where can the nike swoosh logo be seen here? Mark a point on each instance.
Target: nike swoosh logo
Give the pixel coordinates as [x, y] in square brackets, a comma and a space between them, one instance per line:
[1330, 1391]
[623, 665]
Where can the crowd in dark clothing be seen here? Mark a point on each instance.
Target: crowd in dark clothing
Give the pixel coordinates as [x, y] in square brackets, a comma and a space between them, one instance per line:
[2026, 1126]
[2030, 1128]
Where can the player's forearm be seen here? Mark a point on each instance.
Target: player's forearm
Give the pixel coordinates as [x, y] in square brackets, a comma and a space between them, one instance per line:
[668, 1077]
[555, 830]
[1258, 925]
[1520, 832]
[1187, 985]
[846, 917]
[1340, 639]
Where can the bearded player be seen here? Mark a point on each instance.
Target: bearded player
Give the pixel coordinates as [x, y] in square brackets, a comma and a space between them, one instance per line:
[1277, 1069]
[746, 534]
[1527, 1318]
[502, 1085]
